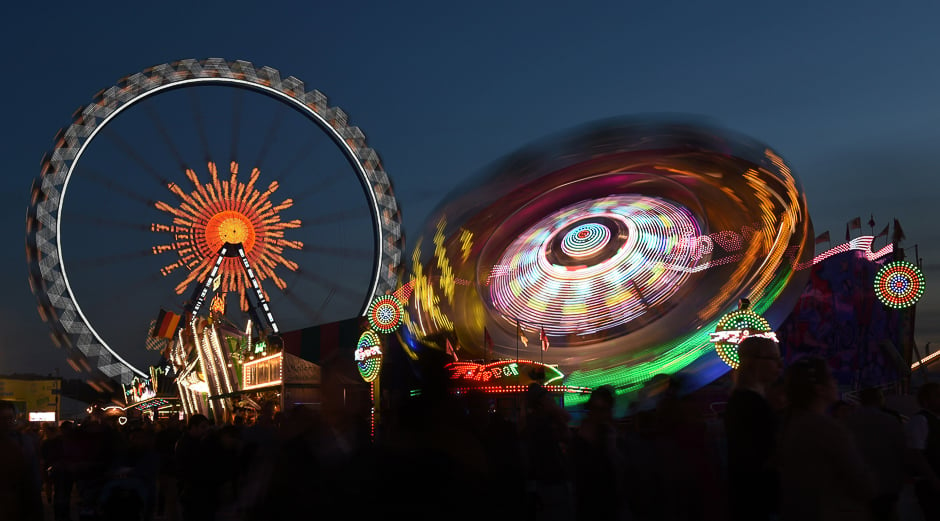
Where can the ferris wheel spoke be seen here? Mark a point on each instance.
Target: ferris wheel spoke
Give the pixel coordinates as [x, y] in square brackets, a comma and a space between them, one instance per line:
[336, 217]
[99, 221]
[313, 315]
[200, 124]
[106, 182]
[346, 253]
[269, 136]
[322, 308]
[236, 124]
[355, 295]
[165, 136]
[303, 153]
[130, 152]
[110, 260]
[319, 187]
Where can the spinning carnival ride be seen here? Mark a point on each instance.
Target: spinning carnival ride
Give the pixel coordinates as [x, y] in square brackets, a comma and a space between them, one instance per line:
[226, 234]
[625, 242]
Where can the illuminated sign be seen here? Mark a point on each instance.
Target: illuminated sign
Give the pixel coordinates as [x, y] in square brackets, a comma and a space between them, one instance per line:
[733, 328]
[735, 336]
[42, 416]
[368, 355]
[263, 372]
[364, 353]
[138, 390]
[510, 372]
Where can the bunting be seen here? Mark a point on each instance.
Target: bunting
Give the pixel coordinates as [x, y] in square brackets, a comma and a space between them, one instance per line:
[544, 339]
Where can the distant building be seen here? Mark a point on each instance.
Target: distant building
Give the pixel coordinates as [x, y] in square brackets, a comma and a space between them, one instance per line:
[36, 398]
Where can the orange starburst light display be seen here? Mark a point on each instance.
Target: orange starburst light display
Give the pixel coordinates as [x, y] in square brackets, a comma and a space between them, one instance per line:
[226, 211]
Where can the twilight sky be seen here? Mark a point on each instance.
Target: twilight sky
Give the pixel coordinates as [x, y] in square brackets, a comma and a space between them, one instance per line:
[847, 92]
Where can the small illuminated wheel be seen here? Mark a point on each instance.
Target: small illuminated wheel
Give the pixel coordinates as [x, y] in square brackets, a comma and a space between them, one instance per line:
[173, 135]
[369, 355]
[899, 284]
[385, 314]
[735, 327]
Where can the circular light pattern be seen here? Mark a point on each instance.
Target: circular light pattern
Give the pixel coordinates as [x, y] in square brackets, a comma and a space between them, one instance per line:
[899, 284]
[640, 235]
[49, 279]
[696, 217]
[369, 355]
[585, 240]
[741, 324]
[385, 313]
[238, 213]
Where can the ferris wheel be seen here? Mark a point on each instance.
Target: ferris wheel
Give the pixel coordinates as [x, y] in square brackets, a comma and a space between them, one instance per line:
[162, 170]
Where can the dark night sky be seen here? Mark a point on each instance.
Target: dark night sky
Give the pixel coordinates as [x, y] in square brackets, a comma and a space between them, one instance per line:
[847, 92]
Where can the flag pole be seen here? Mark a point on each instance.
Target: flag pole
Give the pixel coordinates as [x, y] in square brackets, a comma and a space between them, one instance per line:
[518, 381]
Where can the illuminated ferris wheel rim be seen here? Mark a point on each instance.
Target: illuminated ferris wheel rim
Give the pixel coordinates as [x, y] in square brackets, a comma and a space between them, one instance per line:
[191, 72]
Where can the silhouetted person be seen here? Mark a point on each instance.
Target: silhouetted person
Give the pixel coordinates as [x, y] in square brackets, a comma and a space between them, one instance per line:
[881, 441]
[822, 474]
[545, 437]
[751, 428]
[20, 486]
[500, 440]
[165, 445]
[96, 443]
[596, 460]
[841, 409]
[296, 481]
[924, 442]
[61, 450]
[197, 468]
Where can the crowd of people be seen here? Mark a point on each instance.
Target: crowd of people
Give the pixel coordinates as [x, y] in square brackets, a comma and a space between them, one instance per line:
[784, 448]
[809, 455]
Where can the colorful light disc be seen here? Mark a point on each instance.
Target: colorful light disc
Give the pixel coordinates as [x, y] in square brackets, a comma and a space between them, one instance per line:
[585, 240]
[371, 365]
[595, 265]
[899, 284]
[746, 323]
[385, 314]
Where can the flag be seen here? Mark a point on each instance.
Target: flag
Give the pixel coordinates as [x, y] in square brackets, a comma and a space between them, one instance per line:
[882, 233]
[487, 343]
[898, 233]
[856, 223]
[521, 334]
[823, 237]
[153, 342]
[544, 338]
[166, 324]
[450, 349]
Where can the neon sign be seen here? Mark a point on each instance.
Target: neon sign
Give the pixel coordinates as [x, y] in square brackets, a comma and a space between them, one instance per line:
[735, 336]
[364, 353]
[735, 327]
[510, 371]
[368, 355]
